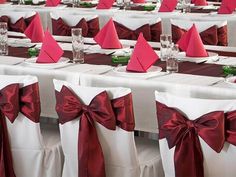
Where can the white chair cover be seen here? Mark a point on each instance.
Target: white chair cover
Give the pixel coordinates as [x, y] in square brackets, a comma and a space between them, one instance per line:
[215, 164]
[34, 155]
[121, 159]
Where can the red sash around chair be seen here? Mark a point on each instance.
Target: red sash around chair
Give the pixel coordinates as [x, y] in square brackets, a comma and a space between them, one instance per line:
[100, 109]
[211, 36]
[230, 126]
[126, 33]
[89, 28]
[183, 134]
[12, 101]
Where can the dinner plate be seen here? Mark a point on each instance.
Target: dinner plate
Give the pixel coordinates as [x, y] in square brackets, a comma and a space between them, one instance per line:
[152, 71]
[231, 81]
[61, 63]
[8, 60]
[212, 57]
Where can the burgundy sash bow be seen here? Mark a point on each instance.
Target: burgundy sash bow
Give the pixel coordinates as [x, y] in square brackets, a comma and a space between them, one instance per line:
[230, 126]
[12, 101]
[69, 107]
[123, 109]
[183, 134]
[126, 33]
[211, 36]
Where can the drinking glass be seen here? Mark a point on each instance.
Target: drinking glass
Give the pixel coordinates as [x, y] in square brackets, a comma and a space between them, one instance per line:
[171, 61]
[166, 41]
[3, 39]
[75, 3]
[77, 45]
[186, 6]
[120, 3]
[127, 4]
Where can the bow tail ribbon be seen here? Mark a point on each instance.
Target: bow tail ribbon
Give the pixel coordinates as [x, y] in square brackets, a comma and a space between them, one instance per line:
[6, 163]
[91, 159]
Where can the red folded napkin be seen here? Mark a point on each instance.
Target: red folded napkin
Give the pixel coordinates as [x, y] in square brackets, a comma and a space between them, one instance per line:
[192, 44]
[143, 56]
[52, 3]
[35, 30]
[105, 4]
[227, 7]
[107, 37]
[50, 51]
[168, 5]
[2, 1]
[200, 3]
[139, 1]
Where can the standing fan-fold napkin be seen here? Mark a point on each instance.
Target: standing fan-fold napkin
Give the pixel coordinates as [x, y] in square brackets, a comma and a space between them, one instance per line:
[200, 3]
[227, 7]
[105, 4]
[168, 5]
[50, 51]
[35, 30]
[52, 3]
[143, 56]
[107, 37]
[192, 44]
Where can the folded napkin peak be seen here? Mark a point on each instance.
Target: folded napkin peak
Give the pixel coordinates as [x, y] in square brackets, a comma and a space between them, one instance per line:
[168, 5]
[143, 56]
[200, 3]
[50, 51]
[52, 3]
[139, 1]
[35, 29]
[227, 7]
[192, 44]
[105, 4]
[107, 37]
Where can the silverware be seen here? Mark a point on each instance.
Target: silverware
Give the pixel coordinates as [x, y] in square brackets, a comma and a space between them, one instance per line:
[217, 82]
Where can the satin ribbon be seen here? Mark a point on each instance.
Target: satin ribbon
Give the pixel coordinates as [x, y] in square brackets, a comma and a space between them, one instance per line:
[123, 109]
[211, 36]
[182, 134]
[126, 33]
[12, 101]
[230, 127]
[69, 107]
[89, 28]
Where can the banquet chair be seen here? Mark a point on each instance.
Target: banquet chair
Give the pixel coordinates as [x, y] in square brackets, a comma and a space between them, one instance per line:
[62, 22]
[129, 27]
[35, 152]
[123, 155]
[211, 32]
[17, 21]
[196, 135]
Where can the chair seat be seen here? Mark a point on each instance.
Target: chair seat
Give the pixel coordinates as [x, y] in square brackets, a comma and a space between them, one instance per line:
[149, 157]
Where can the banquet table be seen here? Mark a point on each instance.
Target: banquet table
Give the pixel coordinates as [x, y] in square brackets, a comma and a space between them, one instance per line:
[204, 80]
[105, 15]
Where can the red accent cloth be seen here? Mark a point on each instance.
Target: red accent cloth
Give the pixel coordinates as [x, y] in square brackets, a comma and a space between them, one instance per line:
[156, 31]
[168, 5]
[183, 133]
[12, 100]
[200, 3]
[34, 30]
[5, 19]
[105, 4]
[52, 3]
[211, 36]
[2, 1]
[143, 56]
[230, 126]
[19, 26]
[126, 33]
[139, 1]
[123, 109]
[69, 107]
[89, 28]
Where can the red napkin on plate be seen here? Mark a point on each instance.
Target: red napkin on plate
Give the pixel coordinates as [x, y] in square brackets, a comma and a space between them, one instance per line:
[168, 5]
[227, 7]
[35, 30]
[107, 37]
[139, 1]
[50, 51]
[192, 44]
[200, 3]
[52, 3]
[143, 56]
[105, 4]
